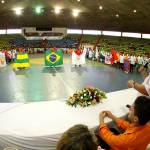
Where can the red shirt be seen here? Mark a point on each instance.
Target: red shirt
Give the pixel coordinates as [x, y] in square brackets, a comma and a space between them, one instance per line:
[21, 50]
[78, 52]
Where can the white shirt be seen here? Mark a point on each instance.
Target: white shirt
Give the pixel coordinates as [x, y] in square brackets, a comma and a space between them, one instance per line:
[90, 54]
[147, 86]
[140, 60]
[132, 60]
[121, 59]
[146, 59]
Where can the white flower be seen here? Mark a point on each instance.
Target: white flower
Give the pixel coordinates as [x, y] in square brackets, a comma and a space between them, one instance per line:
[84, 97]
[84, 104]
[71, 100]
[94, 102]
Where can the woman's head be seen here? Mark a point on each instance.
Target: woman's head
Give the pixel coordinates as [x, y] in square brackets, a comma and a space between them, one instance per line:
[77, 137]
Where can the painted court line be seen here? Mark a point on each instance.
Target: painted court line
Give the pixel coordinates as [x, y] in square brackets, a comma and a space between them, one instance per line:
[62, 80]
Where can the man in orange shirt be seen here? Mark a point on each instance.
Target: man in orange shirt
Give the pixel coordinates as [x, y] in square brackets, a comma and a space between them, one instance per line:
[136, 134]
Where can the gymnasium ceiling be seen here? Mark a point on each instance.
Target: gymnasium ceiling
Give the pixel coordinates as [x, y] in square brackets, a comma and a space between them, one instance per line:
[90, 16]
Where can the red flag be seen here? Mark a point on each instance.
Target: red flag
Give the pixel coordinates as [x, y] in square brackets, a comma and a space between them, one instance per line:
[114, 56]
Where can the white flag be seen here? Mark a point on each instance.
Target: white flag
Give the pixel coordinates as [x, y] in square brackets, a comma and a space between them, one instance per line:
[96, 52]
[78, 60]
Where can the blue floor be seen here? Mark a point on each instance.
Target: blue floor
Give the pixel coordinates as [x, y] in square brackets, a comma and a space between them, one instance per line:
[40, 83]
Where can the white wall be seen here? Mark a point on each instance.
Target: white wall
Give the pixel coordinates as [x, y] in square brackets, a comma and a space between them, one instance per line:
[33, 29]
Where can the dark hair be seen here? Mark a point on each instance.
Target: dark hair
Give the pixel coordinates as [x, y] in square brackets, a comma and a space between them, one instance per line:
[146, 65]
[142, 109]
[78, 137]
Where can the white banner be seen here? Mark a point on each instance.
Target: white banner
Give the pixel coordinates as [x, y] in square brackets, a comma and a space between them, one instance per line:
[78, 60]
[2, 60]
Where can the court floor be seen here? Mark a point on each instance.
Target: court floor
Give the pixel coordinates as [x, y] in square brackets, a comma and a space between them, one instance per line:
[40, 83]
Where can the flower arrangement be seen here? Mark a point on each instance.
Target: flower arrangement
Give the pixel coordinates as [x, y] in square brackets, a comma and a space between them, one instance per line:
[86, 97]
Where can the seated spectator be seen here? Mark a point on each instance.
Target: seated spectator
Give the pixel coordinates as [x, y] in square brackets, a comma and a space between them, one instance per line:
[77, 137]
[144, 88]
[136, 133]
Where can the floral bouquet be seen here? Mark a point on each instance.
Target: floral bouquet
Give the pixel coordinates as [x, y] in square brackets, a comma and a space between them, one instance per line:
[86, 97]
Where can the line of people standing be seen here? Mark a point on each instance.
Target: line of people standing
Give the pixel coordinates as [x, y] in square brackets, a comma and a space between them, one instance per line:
[135, 61]
[10, 55]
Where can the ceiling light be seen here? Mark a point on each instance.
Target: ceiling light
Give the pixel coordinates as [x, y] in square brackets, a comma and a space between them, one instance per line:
[100, 7]
[18, 10]
[78, 0]
[75, 13]
[117, 15]
[57, 10]
[2, 1]
[38, 10]
[134, 11]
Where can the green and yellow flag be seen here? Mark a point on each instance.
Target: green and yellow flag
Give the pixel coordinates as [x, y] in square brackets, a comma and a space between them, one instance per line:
[22, 60]
[53, 58]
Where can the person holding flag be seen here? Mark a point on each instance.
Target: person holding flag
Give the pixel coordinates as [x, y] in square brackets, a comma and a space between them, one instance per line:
[7, 56]
[21, 50]
[114, 56]
[21, 60]
[53, 57]
[102, 55]
[78, 57]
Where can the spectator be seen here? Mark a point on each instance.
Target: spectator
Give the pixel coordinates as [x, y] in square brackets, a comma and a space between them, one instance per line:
[144, 88]
[132, 63]
[77, 137]
[136, 133]
[140, 62]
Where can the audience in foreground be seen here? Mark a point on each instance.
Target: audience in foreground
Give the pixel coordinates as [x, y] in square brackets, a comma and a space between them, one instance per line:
[136, 135]
[77, 137]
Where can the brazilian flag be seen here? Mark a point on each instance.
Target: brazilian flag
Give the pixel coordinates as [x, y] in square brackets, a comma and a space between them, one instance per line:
[53, 58]
[22, 60]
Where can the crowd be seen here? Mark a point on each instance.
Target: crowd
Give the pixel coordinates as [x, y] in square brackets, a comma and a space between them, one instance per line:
[130, 134]
[119, 59]
[10, 55]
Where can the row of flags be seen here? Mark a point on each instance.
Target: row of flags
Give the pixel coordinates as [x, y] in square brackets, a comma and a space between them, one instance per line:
[55, 58]
[52, 58]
